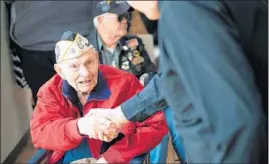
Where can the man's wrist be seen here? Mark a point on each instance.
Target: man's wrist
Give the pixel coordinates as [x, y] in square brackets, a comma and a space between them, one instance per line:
[120, 116]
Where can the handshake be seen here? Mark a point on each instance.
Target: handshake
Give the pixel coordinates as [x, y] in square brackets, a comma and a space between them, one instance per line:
[102, 124]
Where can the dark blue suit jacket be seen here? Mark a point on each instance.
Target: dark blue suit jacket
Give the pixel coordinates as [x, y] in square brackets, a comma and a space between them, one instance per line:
[206, 79]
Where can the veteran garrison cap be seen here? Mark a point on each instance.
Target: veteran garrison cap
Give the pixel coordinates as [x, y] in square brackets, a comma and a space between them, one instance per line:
[72, 45]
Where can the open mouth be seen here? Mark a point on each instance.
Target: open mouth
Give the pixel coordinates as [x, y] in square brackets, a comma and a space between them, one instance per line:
[85, 82]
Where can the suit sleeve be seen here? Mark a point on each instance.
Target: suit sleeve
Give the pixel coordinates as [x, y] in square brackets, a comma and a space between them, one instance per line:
[49, 128]
[139, 137]
[145, 103]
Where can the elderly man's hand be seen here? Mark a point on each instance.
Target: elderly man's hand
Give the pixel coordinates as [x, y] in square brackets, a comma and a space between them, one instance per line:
[98, 127]
[109, 134]
[117, 121]
[91, 126]
[114, 115]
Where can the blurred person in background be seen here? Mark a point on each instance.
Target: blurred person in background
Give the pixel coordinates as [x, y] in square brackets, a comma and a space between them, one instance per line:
[252, 37]
[116, 47]
[252, 34]
[35, 27]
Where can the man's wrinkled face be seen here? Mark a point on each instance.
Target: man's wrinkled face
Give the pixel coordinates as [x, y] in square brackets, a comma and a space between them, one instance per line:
[113, 25]
[81, 72]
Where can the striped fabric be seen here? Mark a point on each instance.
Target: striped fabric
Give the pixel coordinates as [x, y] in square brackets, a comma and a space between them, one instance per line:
[17, 67]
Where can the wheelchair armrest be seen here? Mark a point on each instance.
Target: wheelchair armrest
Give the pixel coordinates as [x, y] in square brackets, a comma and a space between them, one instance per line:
[39, 156]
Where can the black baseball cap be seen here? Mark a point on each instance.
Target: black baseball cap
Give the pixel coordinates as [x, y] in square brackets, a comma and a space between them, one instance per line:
[110, 6]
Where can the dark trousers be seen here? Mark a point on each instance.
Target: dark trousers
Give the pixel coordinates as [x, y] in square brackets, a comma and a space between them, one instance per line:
[37, 66]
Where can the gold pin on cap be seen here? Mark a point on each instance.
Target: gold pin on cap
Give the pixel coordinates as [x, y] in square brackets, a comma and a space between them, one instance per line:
[66, 49]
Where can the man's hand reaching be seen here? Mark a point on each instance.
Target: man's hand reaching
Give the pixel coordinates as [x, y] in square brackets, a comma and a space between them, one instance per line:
[114, 115]
[102, 124]
[109, 134]
[97, 127]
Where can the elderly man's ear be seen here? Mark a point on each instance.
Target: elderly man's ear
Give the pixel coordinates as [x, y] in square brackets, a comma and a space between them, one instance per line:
[100, 19]
[59, 71]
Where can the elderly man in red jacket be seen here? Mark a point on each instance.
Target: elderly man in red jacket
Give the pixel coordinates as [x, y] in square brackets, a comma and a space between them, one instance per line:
[60, 121]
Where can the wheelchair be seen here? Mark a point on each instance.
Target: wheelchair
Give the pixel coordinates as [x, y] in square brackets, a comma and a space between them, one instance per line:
[41, 156]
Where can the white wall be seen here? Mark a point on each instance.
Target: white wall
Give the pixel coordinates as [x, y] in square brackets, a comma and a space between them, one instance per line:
[15, 102]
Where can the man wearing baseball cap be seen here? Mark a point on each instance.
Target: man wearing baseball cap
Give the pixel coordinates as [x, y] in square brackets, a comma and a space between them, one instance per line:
[116, 47]
[60, 122]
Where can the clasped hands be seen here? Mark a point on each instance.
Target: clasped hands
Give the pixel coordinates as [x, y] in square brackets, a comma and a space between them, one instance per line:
[102, 124]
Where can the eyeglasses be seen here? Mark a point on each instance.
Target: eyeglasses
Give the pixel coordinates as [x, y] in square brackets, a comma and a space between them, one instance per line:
[75, 67]
[126, 15]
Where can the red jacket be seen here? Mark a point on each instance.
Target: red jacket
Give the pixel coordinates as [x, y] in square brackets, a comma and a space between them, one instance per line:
[54, 121]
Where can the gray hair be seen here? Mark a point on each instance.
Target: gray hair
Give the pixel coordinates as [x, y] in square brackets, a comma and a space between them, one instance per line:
[95, 19]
